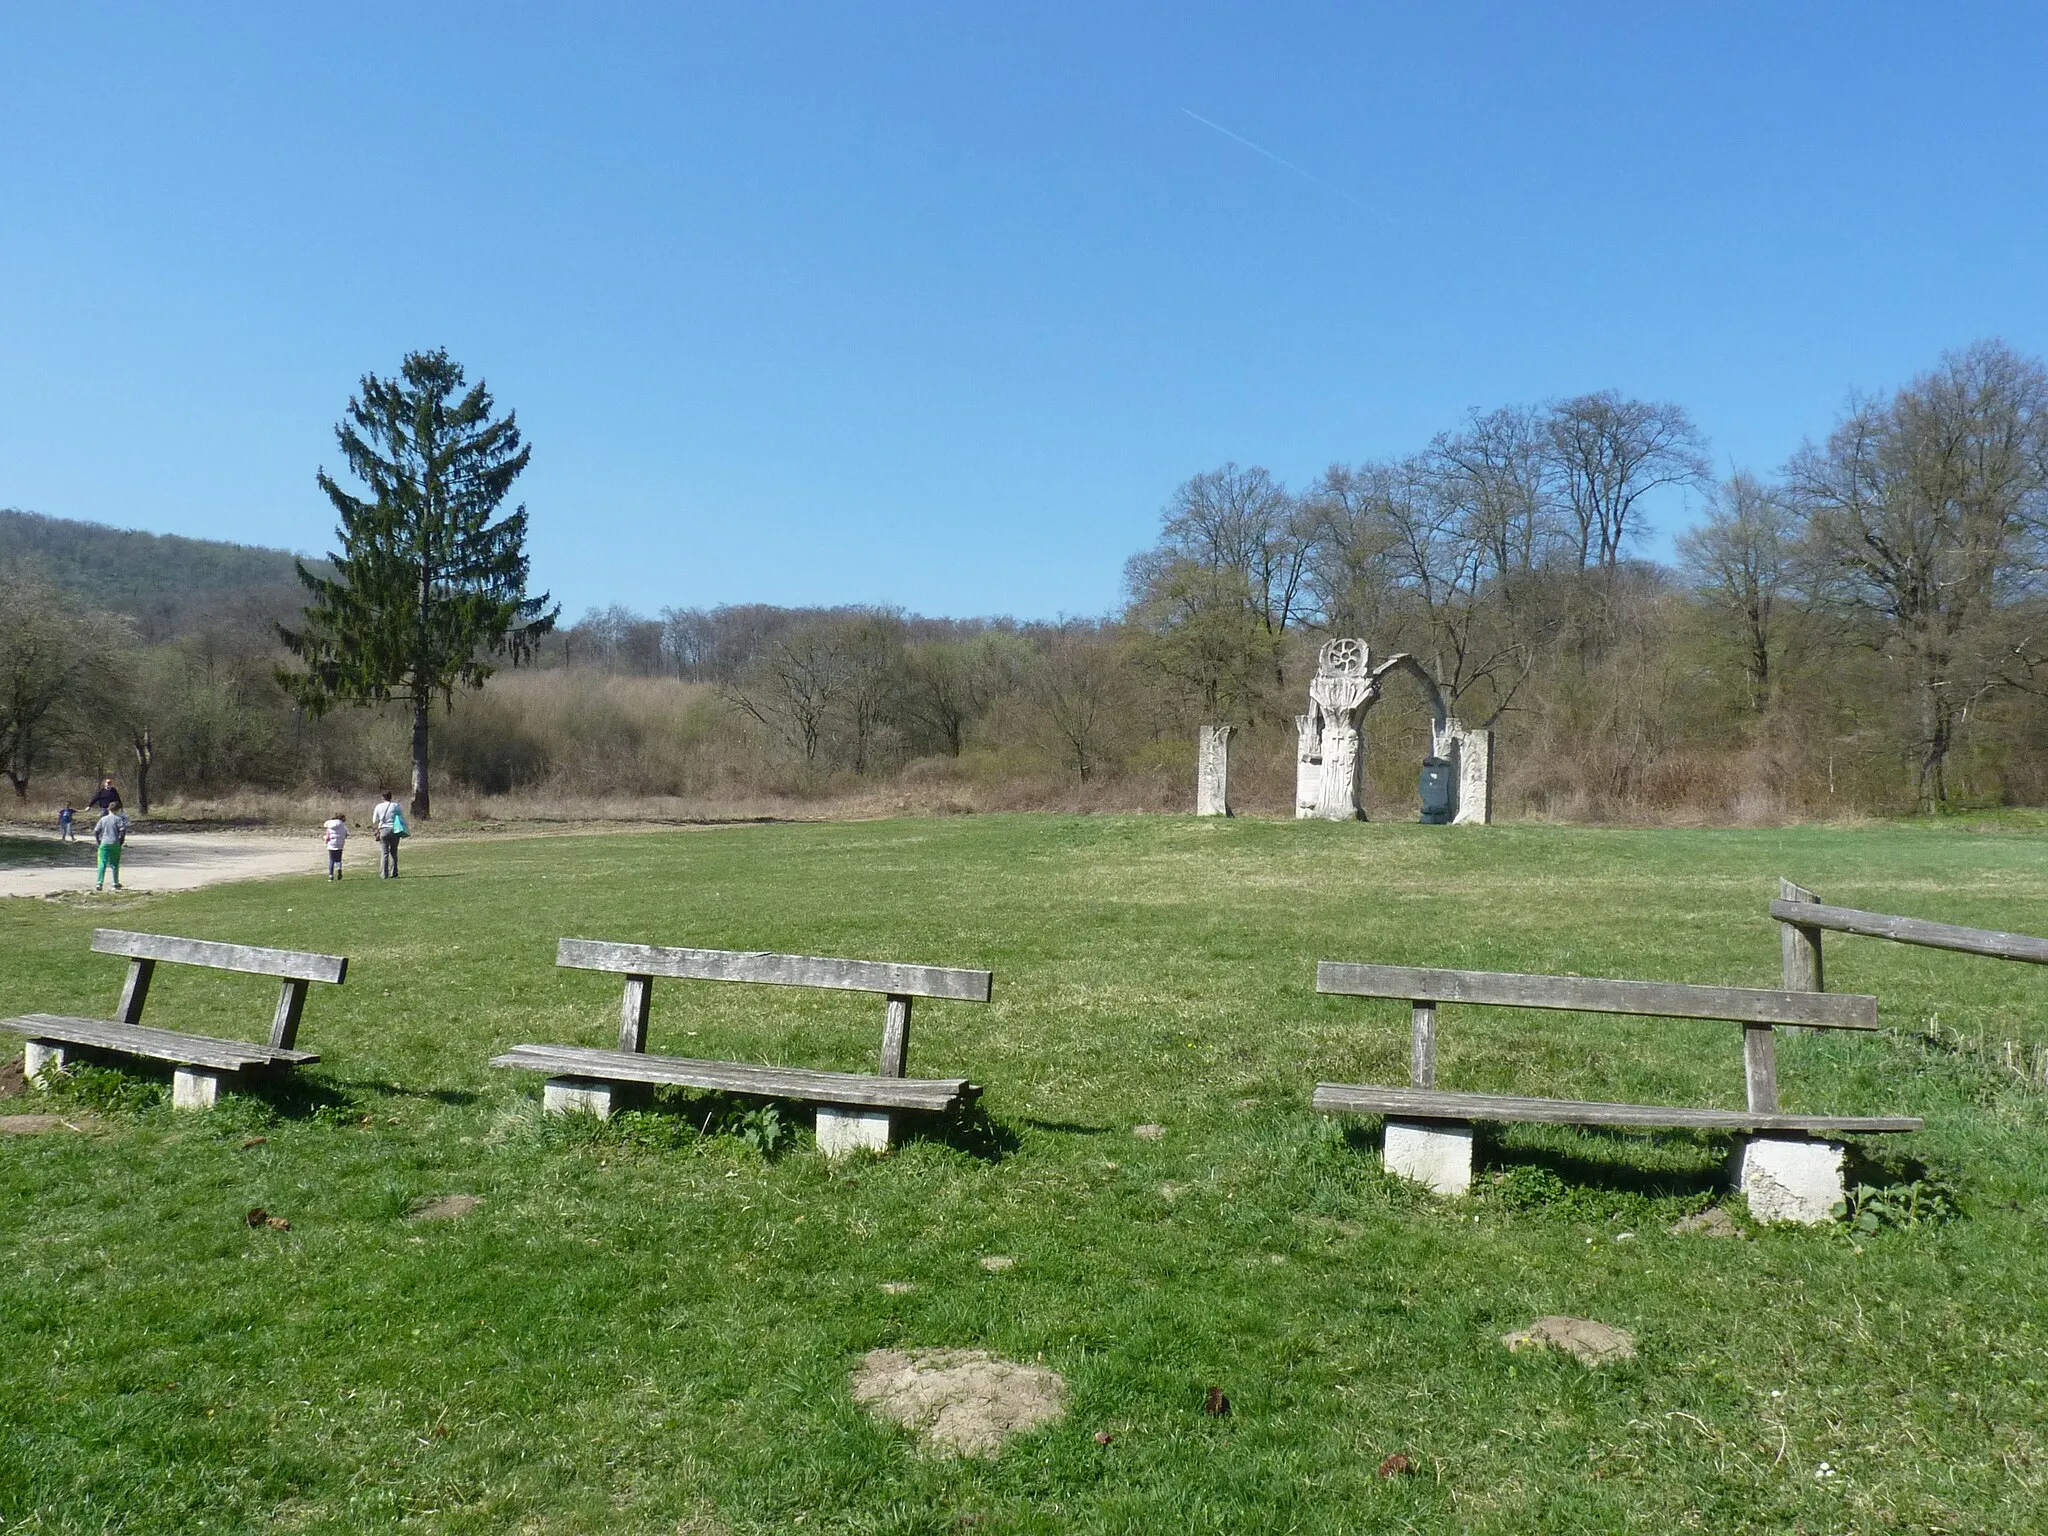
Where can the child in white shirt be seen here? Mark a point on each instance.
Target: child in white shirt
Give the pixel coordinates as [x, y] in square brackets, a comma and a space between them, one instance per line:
[334, 834]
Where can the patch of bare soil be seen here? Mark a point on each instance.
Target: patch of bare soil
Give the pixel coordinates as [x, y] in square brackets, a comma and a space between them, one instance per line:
[12, 1079]
[1712, 1222]
[1586, 1341]
[447, 1208]
[960, 1402]
[36, 1125]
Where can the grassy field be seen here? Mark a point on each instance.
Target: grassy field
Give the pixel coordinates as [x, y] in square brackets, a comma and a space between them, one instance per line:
[648, 1326]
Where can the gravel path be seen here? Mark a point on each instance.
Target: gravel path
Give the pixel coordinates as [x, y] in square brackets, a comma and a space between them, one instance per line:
[184, 861]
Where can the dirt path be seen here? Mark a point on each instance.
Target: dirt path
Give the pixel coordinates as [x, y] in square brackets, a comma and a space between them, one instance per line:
[184, 861]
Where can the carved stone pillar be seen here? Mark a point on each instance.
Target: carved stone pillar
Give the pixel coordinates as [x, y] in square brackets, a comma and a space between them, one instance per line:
[1471, 755]
[1342, 690]
[1212, 771]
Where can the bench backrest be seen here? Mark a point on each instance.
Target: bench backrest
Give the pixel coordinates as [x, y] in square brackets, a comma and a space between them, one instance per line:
[641, 963]
[778, 970]
[293, 964]
[1592, 994]
[1757, 1011]
[1817, 915]
[297, 969]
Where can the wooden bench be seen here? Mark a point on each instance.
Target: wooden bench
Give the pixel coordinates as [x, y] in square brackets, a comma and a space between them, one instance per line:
[1802, 917]
[202, 1063]
[854, 1108]
[1786, 1172]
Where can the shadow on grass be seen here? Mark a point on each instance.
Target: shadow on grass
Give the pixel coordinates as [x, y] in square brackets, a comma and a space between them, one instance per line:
[971, 1130]
[1883, 1166]
[1619, 1173]
[1065, 1127]
[387, 1090]
[290, 1096]
[677, 1117]
[1602, 1159]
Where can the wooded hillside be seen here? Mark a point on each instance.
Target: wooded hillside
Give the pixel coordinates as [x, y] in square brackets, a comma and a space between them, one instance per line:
[166, 584]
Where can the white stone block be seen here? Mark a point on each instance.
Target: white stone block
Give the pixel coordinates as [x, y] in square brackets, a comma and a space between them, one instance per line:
[195, 1088]
[842, 1130]
[1212, 771]
[35, 1056]
[579, 1096]
[1432, 1153]
[1788, 1178]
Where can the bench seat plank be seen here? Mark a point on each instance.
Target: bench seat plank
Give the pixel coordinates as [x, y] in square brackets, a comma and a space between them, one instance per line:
[1594, 994]
[298, 965]
[155, 1044]
[799, 1083]
[781, 970]
[1435, 1104]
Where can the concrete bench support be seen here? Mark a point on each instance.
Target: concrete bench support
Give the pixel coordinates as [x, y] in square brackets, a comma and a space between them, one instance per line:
[1791, 1178]
[36, 1055]
[582, 1096]
[195, 1087]
[842, 1130]
[1433, 1152]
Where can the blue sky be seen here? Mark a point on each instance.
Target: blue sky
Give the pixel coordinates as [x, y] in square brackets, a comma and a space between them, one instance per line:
[934, 305]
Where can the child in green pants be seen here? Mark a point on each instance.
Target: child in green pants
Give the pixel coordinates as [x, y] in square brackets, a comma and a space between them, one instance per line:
[110, 832]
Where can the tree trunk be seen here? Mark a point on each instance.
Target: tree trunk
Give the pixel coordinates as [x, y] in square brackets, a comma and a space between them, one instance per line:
[145, 754]
[1937, 730]
[420, 807]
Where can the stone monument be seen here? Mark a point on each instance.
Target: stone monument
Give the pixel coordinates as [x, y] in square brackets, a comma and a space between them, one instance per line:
[1332, 733]
[1332, 738]
[1470, 754]
[1212, 772]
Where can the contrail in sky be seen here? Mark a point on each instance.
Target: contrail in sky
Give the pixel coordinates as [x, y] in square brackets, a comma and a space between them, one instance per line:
[1283, 164]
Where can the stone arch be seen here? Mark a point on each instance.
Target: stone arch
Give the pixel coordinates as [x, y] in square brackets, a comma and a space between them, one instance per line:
[1345, 687]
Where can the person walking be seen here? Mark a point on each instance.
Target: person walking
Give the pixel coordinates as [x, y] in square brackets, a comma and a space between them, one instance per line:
[65, 817]
[111, 833]
[105, 798]
[387, 825]
[334, 834]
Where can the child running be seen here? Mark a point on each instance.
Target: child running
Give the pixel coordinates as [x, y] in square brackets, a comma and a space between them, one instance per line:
[334, 834]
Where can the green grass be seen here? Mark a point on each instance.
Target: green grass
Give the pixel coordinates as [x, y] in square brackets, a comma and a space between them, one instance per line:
[648, 1327]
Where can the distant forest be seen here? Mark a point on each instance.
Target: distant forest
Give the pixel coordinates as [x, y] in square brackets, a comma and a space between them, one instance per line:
[167, 585]
[1863, 630]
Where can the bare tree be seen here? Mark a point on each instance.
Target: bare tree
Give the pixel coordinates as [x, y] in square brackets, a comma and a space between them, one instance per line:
[946, 685]
[794, 687]
[1497, 469]
[1742, 561]
[869, 645]
[1076, 689]
[1411, 551]
[1203, 636]
[1351, 586]
[1931, 507]
[1233, 522]
[60, 673]
[1608, 453]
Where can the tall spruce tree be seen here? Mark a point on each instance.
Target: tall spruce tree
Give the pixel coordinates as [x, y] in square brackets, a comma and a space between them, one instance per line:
[427, 586]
